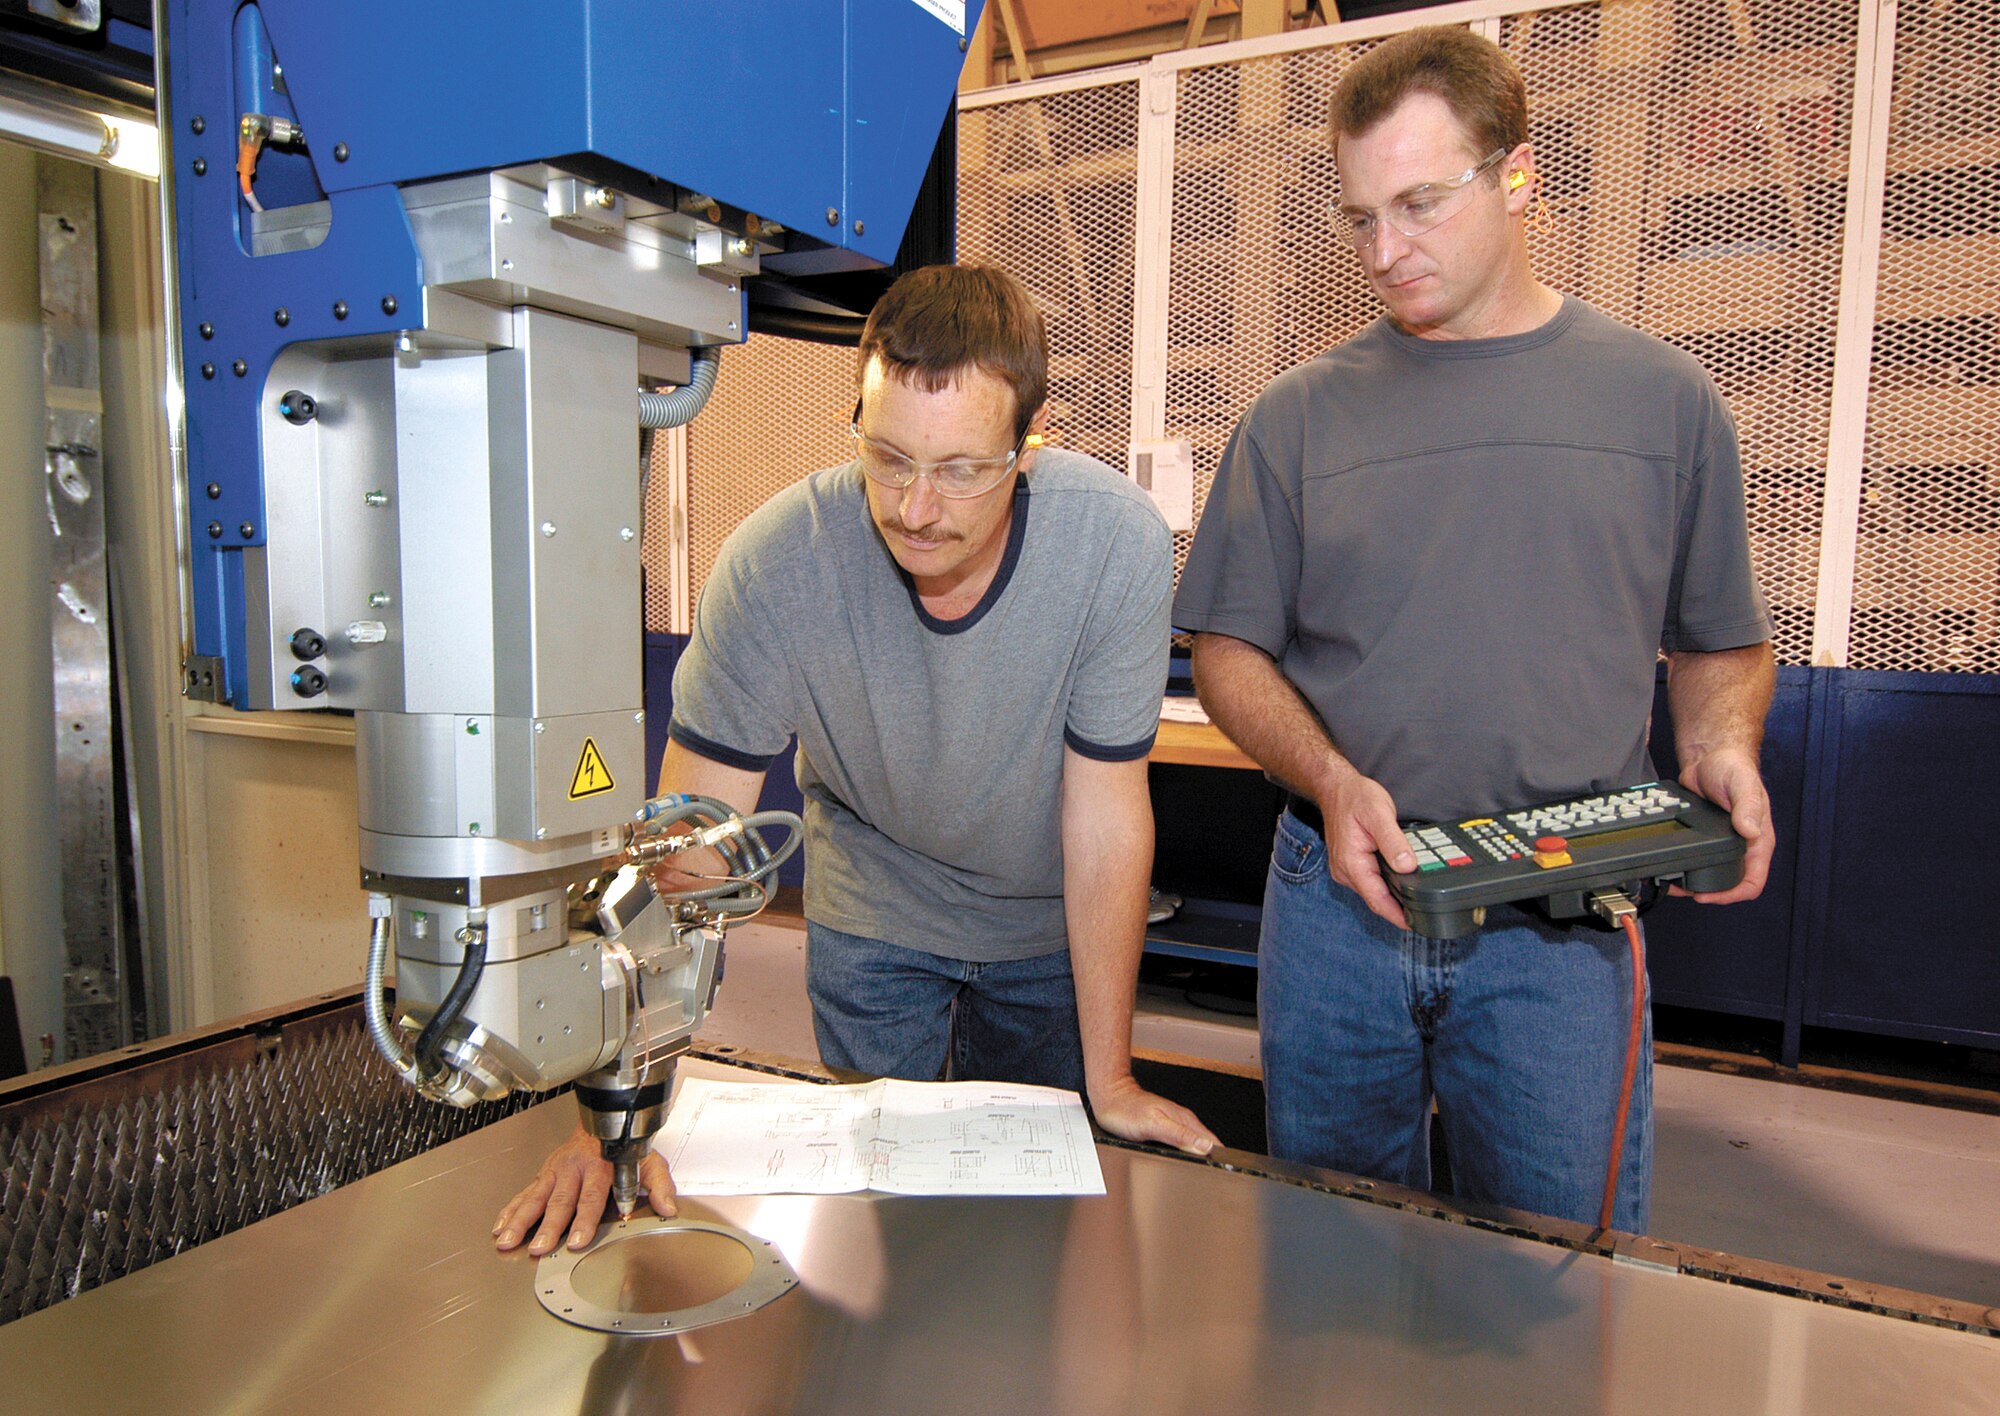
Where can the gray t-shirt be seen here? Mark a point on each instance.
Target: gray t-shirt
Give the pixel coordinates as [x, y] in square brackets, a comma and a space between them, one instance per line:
[1467, 554]
[931, 752]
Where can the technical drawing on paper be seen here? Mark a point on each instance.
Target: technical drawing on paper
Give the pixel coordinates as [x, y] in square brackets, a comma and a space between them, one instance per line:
[911, 1138]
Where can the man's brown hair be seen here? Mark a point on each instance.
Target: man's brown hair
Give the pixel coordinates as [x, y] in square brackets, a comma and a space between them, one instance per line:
[938, 321]
[1474, 76]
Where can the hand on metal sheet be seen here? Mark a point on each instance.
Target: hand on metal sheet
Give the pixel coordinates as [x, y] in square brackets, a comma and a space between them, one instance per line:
[1130, 1112]
[1361, 825]
[1729, 777]
[570, 1192]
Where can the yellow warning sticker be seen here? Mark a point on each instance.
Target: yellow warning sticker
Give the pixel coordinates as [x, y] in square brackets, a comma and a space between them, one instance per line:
[591, 776]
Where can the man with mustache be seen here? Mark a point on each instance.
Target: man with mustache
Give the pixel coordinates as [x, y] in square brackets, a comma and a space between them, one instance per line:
[967, 634]
[1432, 582]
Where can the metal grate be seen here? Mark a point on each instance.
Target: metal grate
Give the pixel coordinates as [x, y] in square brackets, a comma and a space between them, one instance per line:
[1697, 158]
[1258, 281]
[1927, 554]
[1048, 189]
[105, 1187]
[1694, 157]
[779, 413]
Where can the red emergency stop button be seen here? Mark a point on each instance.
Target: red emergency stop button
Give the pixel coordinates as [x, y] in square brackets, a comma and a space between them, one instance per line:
[1551, 851]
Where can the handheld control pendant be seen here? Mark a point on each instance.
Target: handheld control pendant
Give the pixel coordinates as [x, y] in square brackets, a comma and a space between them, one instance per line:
[1558, 853]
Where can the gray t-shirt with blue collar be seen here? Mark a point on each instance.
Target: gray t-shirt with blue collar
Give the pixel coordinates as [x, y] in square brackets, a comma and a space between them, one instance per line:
[930, 752]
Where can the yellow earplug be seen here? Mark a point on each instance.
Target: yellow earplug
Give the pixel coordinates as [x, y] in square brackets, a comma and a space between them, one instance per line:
[1519, 179]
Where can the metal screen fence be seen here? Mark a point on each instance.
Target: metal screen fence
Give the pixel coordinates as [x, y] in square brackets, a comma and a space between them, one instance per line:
[1048, 189]
[1698, 155]
[1927, 549]
[1258, 280]
[779, 412]
[1711, 178]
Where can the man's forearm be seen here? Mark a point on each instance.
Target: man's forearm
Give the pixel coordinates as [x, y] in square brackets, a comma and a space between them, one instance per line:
[1718, 701]
[1107, 838]
[1250, 699]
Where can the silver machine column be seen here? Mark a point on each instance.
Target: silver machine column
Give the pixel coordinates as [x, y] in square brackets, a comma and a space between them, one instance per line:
[425, 269]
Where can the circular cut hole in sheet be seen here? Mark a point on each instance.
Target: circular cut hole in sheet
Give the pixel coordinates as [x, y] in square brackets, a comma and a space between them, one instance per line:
[661, 1270]
[647, 1277]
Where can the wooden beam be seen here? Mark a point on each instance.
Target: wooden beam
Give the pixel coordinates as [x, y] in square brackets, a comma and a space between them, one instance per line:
[1197, 24]
[1017, 39]
[978, 71]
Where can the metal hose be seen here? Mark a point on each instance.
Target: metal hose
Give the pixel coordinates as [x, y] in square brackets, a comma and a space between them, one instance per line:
[381, 931]
[671, 410]
[431, 1040]
[747, 854]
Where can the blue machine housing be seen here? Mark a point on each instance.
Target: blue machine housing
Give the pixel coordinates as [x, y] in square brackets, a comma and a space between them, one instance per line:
[819, 115]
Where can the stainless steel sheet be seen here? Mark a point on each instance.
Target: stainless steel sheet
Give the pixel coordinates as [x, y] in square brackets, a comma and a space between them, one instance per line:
[1186, 1288]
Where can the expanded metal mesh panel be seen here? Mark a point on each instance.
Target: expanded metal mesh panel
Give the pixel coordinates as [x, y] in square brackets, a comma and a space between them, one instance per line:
[1258, 280]
[1047, 188]
[779, 413]
[1694, 155]
[105, 1187]
[1695, 158]
[1927, 554]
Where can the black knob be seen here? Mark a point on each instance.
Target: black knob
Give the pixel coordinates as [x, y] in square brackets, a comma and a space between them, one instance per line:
[298, 408]
[308, 682]
[308, 644]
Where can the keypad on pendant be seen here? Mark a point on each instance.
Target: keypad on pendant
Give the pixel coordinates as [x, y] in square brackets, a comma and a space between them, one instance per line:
[1494, 839]
[1434, 848]
[1632, 806]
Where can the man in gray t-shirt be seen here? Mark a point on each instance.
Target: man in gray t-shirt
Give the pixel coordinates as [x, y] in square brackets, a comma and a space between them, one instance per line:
[967, 635]
[930, 751]
[1433, 581]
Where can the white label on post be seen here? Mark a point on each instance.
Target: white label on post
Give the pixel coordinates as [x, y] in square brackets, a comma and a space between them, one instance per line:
[952, 12]
[1164, 468]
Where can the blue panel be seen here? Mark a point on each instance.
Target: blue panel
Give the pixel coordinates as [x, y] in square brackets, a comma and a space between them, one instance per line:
[785, 108]
[743, 103]
[421, 91]
[1906, 939]
[284, 177]
[748, 104]
[892, 126]
[1736, 958]
[252, 309]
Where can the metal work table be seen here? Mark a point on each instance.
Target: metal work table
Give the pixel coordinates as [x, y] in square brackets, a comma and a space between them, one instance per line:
[1188, 1288]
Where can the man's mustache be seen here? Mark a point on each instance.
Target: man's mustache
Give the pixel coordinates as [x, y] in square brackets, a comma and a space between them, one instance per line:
[931, 533]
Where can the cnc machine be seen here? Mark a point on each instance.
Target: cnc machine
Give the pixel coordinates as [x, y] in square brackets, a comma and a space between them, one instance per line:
[427, 258]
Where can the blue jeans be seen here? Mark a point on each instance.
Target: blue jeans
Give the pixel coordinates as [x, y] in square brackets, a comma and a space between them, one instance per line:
[894, 1012]
[1518, 1031]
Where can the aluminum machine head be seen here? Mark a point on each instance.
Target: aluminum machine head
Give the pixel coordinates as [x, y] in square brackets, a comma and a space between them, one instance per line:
[423, 268]
[612, 1003]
